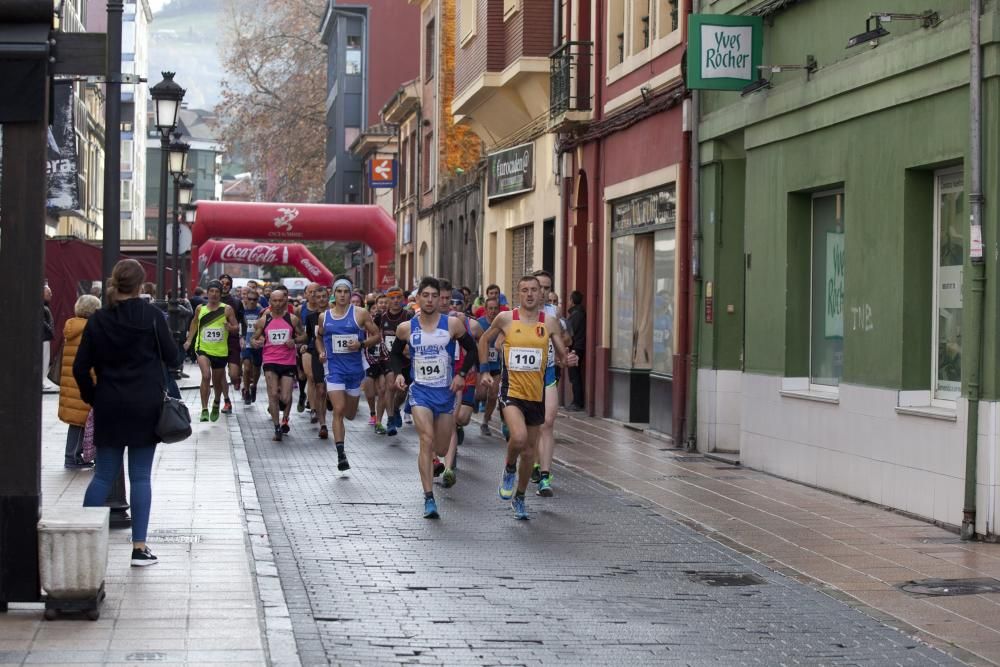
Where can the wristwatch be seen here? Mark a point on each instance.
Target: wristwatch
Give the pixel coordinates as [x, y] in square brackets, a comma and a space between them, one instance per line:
[461, 374]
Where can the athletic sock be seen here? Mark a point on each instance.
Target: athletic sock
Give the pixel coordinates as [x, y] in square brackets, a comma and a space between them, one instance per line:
[340, 450]
[428, 495]
[510, 467]
[545, 473]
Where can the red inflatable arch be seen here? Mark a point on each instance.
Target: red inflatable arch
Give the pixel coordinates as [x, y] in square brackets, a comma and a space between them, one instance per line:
[298, 222]
[259, 252]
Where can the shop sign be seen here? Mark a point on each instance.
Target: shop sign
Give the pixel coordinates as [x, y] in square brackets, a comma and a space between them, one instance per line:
[724, 51]
[646, 209]
[511, 171]
[834, 326]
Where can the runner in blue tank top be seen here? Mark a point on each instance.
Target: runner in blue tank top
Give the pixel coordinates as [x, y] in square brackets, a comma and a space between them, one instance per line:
[343, 330]
[431, 336]
[490, 365]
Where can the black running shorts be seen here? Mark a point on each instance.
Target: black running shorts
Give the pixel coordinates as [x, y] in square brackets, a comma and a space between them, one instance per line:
[281, 370]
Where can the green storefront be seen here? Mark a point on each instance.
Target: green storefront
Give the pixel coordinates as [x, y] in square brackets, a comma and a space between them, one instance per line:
[834, 211]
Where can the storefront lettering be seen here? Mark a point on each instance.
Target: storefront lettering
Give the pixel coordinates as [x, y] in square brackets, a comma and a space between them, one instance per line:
[511, 171]
[726, 52]
[835, 270]
[656, 207]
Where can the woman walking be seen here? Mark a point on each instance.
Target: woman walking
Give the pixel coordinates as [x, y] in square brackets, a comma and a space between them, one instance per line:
[125, 344]
[72, 409]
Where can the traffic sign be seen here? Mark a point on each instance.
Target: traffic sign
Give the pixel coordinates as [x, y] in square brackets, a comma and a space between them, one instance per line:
[382, 172]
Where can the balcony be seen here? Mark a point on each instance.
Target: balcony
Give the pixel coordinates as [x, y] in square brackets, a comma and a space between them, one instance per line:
[569, 84]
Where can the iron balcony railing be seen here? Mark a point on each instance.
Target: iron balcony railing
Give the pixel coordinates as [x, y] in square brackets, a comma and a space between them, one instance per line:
[569, 78]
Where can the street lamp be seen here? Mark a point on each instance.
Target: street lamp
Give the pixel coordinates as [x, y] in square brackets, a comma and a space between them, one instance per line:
[167, 96]
[184, 188]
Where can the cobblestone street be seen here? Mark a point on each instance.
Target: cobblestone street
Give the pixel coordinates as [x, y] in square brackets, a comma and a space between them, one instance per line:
[597, 577]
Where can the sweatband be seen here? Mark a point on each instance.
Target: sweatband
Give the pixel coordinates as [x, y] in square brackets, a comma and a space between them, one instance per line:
[343, 282]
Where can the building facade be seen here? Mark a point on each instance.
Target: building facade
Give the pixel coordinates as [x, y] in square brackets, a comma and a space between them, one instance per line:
[372, 49]
[838, 332]
[404, 111]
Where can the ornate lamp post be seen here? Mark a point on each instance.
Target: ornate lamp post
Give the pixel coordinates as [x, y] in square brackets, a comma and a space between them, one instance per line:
[167, 96]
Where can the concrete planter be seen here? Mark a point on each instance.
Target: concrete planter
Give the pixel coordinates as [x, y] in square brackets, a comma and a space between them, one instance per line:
[73, 552]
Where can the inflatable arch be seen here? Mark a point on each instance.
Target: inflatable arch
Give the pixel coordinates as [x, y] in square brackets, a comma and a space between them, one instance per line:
[258, 252]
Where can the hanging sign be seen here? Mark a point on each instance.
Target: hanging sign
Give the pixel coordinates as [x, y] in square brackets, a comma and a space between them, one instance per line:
[511, 171]
[724, 51]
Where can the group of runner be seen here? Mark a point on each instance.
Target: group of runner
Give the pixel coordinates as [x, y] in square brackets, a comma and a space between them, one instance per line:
[434, 362]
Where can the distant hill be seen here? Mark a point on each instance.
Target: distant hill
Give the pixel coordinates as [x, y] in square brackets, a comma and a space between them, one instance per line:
[185, 38]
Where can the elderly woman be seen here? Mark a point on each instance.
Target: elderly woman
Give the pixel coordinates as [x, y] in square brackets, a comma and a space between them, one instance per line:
[72, 409]
[125, 344]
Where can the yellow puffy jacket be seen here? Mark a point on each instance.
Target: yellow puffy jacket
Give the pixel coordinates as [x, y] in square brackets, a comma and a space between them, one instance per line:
[72, 409]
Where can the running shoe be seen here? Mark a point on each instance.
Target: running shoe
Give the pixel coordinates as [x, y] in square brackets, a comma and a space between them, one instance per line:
[461, 434]
[371, 420]
[407, 418]
[204, 415]
[448, 478]
[431, 509]
[302, 402]
[277, 434]
[399, 419]
[323, 433]
[246, 396]
[214, 416]
[536, 474]
[227, 408]
[391, 429]
[484, 429]
[520, 511]
[284, 425]
[507, 481]
[545, 487]
[379, 429]
[143, 557]
[253, 394]
[313, 417]
[438, 466]
[342, 463]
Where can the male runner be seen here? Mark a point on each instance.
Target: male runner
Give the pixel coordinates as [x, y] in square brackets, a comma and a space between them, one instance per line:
[431, 335]
[465, 399]
[491, 364]
[234, 342]
[312, 364]
[541, 471]
[250, 355]
[214, 323]
[342, 336]
[388, 322]
[308, 301]
[527, 332]
[277, 332]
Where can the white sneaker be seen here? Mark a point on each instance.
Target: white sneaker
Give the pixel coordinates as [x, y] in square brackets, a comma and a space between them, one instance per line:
[407, 418]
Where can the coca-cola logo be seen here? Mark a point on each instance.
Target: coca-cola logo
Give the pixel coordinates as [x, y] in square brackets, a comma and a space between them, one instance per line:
[312, 268]
[258, 254]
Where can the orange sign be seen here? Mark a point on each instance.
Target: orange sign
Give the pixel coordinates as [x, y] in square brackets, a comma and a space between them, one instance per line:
[382, 172]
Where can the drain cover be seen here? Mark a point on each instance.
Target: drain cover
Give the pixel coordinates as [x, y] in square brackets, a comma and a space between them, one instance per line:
[146, 656]
[945, 587]
[726, 578]
[164, 536]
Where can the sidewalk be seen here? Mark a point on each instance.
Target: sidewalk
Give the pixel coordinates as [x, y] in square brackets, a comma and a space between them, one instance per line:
[198, 605]
[851, 550]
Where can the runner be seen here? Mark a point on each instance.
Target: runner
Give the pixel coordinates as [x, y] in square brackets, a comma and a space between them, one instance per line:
[541, 472]
[250, 355]
[303, 310]
[234, 342]
[488, 395]
[277, 332]
[312, 364]
[431, 335]
[465, 398]
[388, 322]
[210, 331]
[527, 332]
[342, 331]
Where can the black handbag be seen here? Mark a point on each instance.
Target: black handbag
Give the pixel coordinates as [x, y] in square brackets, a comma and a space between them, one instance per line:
[174, 423]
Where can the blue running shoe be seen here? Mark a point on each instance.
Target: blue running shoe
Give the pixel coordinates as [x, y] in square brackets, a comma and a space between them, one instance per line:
[506, 489]
[431, 509]
[520, 511]
[391, 430]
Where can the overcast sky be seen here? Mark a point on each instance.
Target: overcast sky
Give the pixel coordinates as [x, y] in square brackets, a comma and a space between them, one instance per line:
[156, 4]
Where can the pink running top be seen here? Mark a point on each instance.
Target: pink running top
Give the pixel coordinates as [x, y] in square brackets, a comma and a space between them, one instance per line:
[277, 330]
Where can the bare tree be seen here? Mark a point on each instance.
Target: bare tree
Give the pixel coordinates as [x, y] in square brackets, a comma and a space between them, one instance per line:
[274, 94]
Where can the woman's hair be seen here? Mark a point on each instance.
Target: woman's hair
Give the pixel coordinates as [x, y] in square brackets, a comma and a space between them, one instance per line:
[86, 306]
[126, 280]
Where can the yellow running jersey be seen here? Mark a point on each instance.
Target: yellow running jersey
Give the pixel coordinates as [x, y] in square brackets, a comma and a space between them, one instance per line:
[525, 356]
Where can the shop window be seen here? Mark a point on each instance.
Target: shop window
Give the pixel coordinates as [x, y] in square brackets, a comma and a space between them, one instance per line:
[666, 17]
[640, 26]
[522, 251]
[663, 302]
[827, 270]
[949, 256]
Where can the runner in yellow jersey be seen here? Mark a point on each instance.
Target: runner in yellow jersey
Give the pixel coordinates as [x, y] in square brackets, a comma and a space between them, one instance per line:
[524, 357]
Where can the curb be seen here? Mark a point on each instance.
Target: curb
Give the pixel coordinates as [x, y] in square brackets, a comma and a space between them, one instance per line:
[278, 635]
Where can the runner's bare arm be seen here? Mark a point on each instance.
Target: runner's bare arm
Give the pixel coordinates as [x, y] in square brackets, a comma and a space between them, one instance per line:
[193, 329]
[562, 357]
[300, 332]
[499, 322]
[258, 333]
[374, 333]
[231, 324]
[397, 361]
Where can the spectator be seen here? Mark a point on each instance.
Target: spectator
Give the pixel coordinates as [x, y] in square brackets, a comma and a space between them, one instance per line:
[198, 299]
[48, 333]
[492, 292]
[125, 345]
[578, 330]
[72, 409]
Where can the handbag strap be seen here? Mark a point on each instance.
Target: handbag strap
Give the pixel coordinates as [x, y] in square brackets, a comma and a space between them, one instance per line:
[159, 353]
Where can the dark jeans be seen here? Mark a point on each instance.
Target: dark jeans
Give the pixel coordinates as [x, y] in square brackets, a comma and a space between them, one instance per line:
[140, 468]
[576, 382]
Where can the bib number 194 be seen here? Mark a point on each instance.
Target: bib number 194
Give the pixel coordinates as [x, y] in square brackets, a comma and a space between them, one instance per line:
[429, 372]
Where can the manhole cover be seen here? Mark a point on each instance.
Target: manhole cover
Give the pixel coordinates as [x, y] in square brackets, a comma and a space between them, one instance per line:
[146, 656]
[944, 587]
[171, 537]
[726, 578]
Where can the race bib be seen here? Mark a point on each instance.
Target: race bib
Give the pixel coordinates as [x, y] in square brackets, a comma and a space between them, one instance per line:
[341, 343]
[524, 359]
[278, 336]
[211, 335]
[389, 340]
[494, 356]
[552, 354]
[429, 372]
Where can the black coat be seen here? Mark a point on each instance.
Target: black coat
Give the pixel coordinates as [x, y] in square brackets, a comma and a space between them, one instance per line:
[119, 345]
[578, 329]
